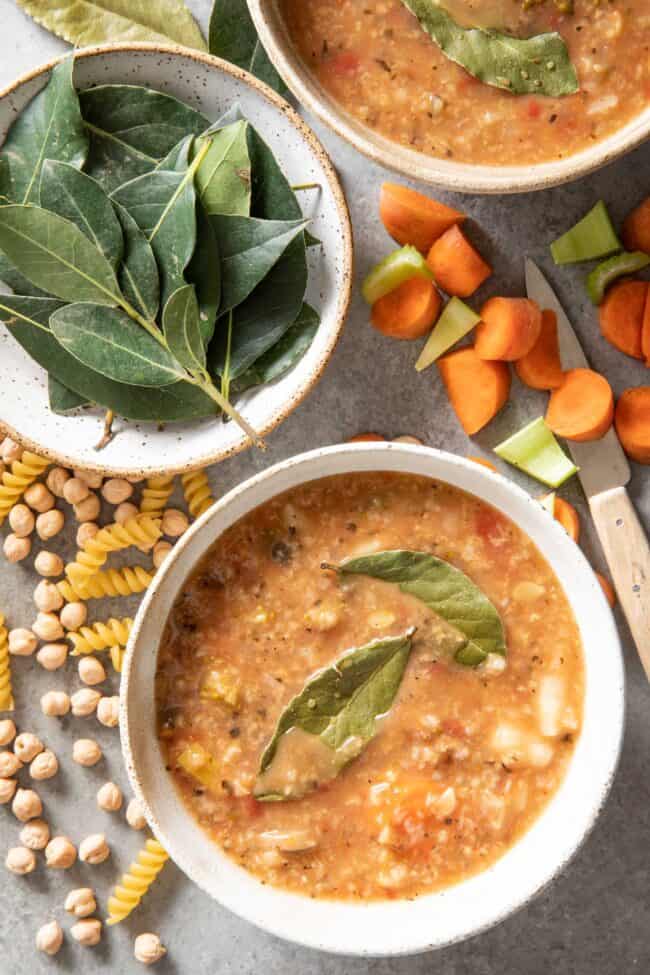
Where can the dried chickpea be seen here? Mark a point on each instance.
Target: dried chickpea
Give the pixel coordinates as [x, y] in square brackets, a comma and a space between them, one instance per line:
[16, 549]
[87, 932]
[55, 704]
[44, 766]
[81, 902]
[148, 949]
[75, 490]
[48, 627]
[160, 552]
[7, 790]
[10, 764]
[84, 702]
[27, 746]
[26, 805]
[109, 797]
[21, 520]
[86, 752]
[124, 512]
[48, 564]
[56, 480]
[108, 711]
[35, 834]
[174, 523]
[91, 670]
[49, 938]
[135, 814]
[92, 478]
[7, 731]
[49, 524]
[407, 438]
[60, 853]
[38, 497]
[51, 656]
[88, 509]
[73, 615]
[85, 532]
[10, 451]
[116, 490]
[20, 860]
[94, 849]
[47, 597]
[22, 642]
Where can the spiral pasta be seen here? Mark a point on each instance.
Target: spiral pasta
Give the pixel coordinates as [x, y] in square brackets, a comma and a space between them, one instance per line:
[197, 492]
[128, 581]
[117, 657]
[100, 636]
[140, 530]
[6, 695]
[155, 495]
[15, 482]
[136, 881]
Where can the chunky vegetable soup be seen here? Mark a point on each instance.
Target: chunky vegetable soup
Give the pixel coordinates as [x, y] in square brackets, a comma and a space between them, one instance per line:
[369, 688]
[380, 64]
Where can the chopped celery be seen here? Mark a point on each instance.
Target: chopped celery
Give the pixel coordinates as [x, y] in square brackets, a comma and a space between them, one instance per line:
[591, 237]
[614, 267]
[547, 502]
[455, 322]
[398, 267]
[535, 451]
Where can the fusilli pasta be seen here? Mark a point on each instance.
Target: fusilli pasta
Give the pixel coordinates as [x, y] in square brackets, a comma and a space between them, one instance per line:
[128, 581]
[136, 881]
[155, 495]
[15, 482]
[197, 492]
[100, 636]
[6, 695]
[140, 530]
[117, 658]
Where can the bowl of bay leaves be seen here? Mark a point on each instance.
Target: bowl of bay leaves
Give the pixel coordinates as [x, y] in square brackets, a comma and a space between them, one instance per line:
[175, 253]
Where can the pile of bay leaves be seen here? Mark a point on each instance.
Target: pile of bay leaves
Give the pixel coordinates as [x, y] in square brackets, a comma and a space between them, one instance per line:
[157, 261]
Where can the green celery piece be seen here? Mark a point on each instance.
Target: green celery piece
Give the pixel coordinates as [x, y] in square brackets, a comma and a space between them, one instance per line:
[592, 237]
[455, 322]
[398, 267]
[547, 502]
[535, 451]
[599, 280]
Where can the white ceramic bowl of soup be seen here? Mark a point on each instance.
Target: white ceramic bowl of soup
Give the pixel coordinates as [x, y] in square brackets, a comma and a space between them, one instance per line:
[432, 920]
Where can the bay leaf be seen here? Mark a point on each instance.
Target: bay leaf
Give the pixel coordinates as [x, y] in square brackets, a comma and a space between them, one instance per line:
[27, 320]
[62, 399]
[233, 37]
[81, 200]
[138, 273]
[17, 281]
[56, 256]
[132, 129]
[249, 248]
[204, 272]
[335, 716]
[538, 65]
[447, 591]
[86, 22]
[271, 195]
[182, 328]
[50, 127]
[282, 356]
[224, 177]
[178, 158]
[109, 342]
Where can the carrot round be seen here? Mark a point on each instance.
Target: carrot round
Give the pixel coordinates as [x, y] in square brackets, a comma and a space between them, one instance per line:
[541, 368]
[413, 218]
[568, 517]
[621, 315]
[608, 589]
[645, 331]
[484, 463]
[367, 438]
[457, 267]
[636, 228]
[633, 423]
[509, 328]
[408, 312]
[582, 408]
[477, 389]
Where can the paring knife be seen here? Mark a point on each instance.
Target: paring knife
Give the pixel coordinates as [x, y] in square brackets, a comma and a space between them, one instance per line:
[604, 472]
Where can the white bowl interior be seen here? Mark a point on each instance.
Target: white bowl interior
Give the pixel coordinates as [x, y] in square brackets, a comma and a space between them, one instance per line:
[212, 87]
[431, 921]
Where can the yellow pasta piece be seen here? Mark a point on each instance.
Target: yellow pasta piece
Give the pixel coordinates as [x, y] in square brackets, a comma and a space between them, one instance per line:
[100, 636]
[155, 495]
[117, 658]
[129, 581]
[15, 482]
[6, 696]
[197, 492]
[140, 530]
[136, 881]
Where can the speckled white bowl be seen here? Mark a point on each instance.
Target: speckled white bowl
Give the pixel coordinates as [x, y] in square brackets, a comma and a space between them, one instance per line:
[431, 921]
[141, 449]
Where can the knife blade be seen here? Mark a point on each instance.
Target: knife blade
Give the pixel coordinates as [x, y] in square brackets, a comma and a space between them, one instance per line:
[602, 463]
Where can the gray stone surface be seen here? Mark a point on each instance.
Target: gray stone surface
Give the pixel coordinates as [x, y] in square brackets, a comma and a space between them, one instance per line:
[595, 920]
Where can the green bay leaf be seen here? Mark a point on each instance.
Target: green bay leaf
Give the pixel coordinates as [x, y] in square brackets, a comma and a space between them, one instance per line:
[233, 37]
[61, 398]
[271, 195]
[204, 272]
[138, 273]
[17, 281]
[182, 328]
[224, 177]
[338, 708]
[282, 356]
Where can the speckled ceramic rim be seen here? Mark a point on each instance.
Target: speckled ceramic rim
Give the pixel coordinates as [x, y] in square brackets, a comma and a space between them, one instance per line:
[347, 256]
[344, 927]
[459, 177]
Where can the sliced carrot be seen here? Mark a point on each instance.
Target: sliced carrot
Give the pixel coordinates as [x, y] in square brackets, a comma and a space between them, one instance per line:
[458, 267]
[477, 389]
[413, 218]
[366, 438]
[608, 589]
[636, 228]
[541, 367]
[568, 517]
[509, 328]
[621, 315]
[582, 408]
[408, 312]
[645, 331]
[633, 423]
[484, 463]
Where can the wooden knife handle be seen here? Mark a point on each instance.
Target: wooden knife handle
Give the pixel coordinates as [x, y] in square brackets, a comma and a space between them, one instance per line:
[628, 556]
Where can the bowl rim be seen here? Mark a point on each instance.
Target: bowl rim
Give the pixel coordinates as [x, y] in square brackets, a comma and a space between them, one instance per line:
[344, 297]
[556, 859]
[458, 177]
